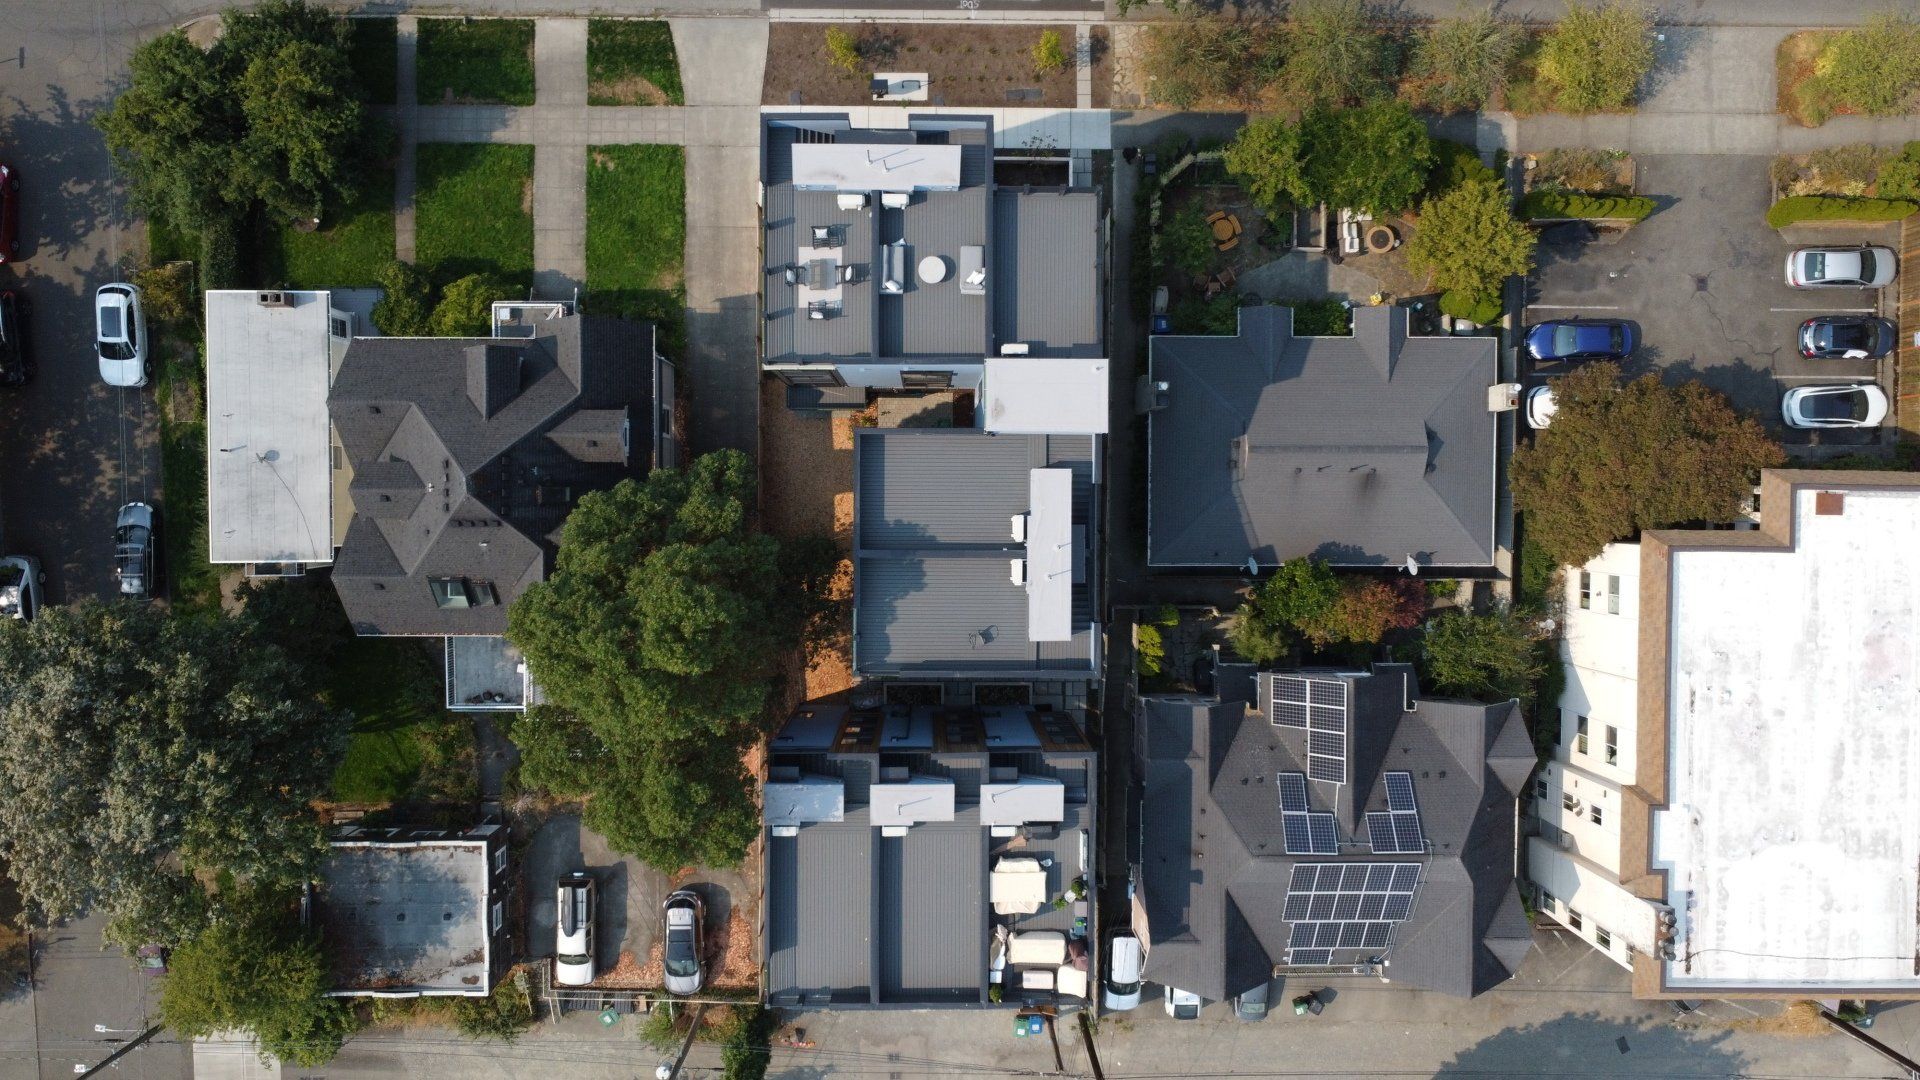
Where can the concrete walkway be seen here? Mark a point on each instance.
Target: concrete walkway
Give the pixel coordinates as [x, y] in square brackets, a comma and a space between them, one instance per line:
[559, 167]
[721, 61]
[406, 126]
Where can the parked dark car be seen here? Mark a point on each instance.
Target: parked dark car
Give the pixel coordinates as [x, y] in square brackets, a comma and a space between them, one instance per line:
[9, 214]
[1582, 339]
[15, 365]
[133, 560]
[153, 960]
[1847, 337]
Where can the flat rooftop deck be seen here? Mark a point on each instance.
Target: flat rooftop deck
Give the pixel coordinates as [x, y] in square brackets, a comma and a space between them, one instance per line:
[405, 918]
[1794, 820]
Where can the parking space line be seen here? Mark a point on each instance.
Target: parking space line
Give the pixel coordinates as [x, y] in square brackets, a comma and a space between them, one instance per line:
[1866, 376]
[1578, 307]
[1829, 310]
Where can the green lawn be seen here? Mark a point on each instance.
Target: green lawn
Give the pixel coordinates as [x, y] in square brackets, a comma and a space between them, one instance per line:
[192, 582]
[346, 252]
[480, 60]
[166, 244]
[404, 745]
[637, 234]
[472, 211]
[632, 62]
[374, 55]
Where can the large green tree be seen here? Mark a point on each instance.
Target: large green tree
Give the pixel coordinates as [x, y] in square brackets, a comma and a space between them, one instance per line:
[1645, 455]
[269, 116]
[257, 969]
[1374, 157]
[1468, 240]
[1596, 55]
[1267, 159]
[139, 750]
[1486, 656]
[660, 630]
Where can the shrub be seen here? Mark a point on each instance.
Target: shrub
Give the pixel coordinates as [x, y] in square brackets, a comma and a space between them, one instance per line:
[1486, 657]
[1300, 592]
[1875, 68]
[1842, 170]
[405, 308]
[166, 292]
[502, 1015]
[1569, 204]
[1461, 62]
[1899, 177]
[1473, 307]
[1199, 56]
[465, 307]
[1149, 651]
[1319, 318]
[1454, 164]
[745, 1042]
[1198, 315]
[1577, 169]
[1798, 208]
[1049, 55]
[220, 254]
[1370, 607]
[1374, 157]
[1265, 157]
[843, 50]
[1336, 55]
[1595, 57]
[1467, 239]
[1186, 240]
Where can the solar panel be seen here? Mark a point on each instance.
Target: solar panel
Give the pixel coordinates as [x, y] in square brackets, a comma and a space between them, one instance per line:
[1346, 905]
[1293, 791]
[1299, 839]
[1322, 906]
[1380, 878]
[1371, 905]
[1325, 840]
[1326, 721]
[1304, 875]
[1376, 935]
[1397, 906]
[1331, 770]
[1356, 877]
[1289, 701]
[1329, 936]
[1296, 908]
[1289, 714]
[1405, 876]
[1327, 743]
[1352, 934]
[1302, 936]
[1328, 692]
[1344, 912]
[1380, 833]
[1312, 956]
[1406, 828]
[1400, 791]
[1289, 688]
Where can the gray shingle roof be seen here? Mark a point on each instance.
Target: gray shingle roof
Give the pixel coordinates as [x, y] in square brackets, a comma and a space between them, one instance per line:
[1357, 450]
[1214, 870]
[932, 546]
[467, 455]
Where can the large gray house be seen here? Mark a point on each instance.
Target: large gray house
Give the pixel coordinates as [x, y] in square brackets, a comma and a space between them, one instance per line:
[1322, 822]
[1371, 449]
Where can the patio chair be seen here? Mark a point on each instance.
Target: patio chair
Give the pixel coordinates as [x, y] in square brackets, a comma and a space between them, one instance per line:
[792, 274]
[823, 236]
[1227, 277]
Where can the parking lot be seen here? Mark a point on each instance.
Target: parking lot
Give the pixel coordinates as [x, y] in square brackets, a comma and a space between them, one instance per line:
[1703, 277]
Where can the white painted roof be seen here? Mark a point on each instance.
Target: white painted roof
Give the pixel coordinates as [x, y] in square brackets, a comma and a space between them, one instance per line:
[922, 798]
[804, 801]
[841, 166]
[1050, 554]
[268, 451]
[1029, 800]
[1045, 395]
[1794, 828]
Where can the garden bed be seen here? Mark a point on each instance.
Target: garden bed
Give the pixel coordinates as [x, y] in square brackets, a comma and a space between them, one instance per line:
[975, 64]
[475, 61]
[636, 235]
[632, 62]
[474, 211]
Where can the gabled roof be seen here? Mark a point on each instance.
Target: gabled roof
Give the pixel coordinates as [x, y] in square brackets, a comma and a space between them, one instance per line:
[466, 455]
[1359, 450]
[1215, 871]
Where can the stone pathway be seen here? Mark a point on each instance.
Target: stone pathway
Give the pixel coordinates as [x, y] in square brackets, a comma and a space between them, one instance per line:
[721, 61]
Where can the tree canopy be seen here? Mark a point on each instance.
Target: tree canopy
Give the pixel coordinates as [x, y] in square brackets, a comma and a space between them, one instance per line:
[1644, 455]
[1374, 157]
[257, 970]
[1468, 240]
[270, 115]
[1266, 158]
[137, 750]
[1486, 657]
[1595, 56]
[660, 630]
[1306, 602]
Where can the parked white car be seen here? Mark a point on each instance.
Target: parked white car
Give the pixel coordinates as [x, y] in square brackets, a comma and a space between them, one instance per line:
[1124, 956]
[1842, 406]
[120, 334]
[573, 929]
[1182, 1004]
[1540, 407]
[1863, 267]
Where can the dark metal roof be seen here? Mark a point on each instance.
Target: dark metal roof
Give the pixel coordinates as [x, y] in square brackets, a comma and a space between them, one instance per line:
[1046, 266]
[1358, 450]
[467, 455]
[1214, 869]
[932, 547]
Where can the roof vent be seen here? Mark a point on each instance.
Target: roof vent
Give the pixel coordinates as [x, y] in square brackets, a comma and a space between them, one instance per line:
[1830, 503]
[273, 298]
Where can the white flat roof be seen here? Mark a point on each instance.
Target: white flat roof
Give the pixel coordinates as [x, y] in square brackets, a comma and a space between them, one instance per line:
[268, 453]
[1044, 395]
[1793, 834]
[840, 166]
[1029, 800]
[922, 798]
[1050, 554]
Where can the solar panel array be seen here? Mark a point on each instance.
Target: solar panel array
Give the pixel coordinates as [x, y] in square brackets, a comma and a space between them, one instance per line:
[1396, 830]
[1289, 701]
[1327, 731]
[1307, 832]
[1346, 906]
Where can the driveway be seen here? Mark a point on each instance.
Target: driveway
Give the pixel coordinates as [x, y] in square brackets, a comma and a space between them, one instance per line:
[1703, 278]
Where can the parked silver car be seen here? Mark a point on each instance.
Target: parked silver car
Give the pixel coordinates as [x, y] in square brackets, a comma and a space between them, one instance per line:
[574, 911]
[133, 551]
[1864, 267]
[685, 915]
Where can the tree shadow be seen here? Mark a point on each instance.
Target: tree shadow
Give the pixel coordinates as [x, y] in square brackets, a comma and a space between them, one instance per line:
[1673, 42]
[1589, 1045]
[67, 193]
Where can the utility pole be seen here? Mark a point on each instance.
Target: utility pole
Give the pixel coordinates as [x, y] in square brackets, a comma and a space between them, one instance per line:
[130, 1046]
[687, 1045]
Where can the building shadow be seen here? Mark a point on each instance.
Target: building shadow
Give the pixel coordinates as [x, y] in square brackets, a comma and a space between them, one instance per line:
[1588, 1045]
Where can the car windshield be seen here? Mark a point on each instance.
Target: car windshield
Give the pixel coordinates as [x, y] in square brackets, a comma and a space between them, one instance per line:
[1866, 266]
[116, 350]
[574, 959]
[1566, 339]
[1186, 1012]
[680, 960]
[1851, 405]
[1120, 989]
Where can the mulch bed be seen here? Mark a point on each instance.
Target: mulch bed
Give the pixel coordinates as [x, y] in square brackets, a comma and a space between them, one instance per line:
[970, 65]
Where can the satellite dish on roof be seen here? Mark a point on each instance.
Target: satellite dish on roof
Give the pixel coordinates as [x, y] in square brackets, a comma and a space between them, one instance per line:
[1253, 568]
[1413, 566]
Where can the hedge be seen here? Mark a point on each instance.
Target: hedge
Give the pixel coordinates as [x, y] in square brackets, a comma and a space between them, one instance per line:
[1573, 204]
[1798, 208]
[1474, 309]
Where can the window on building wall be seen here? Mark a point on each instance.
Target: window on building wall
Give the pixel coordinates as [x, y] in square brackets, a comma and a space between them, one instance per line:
[912, 379]
[1613, 745]
[1602, 938]
[1573, 918]
[1568, 803]
[820, 376]
[1593, 814]
[1540, 786]
[1613, 594]
[499, 859]
[1586, 590]
[499, 915]
[1543, 899]
[1580, 734]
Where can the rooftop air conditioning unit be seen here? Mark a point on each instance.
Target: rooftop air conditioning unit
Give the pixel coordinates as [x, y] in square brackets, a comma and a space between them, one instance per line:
[1015, 348]
[786, 830]
[273, 298]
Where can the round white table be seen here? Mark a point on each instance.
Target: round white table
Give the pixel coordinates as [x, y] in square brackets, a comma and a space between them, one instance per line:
[933, 269]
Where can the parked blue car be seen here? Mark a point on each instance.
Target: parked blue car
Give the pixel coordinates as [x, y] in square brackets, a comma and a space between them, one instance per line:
[1582, 339]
